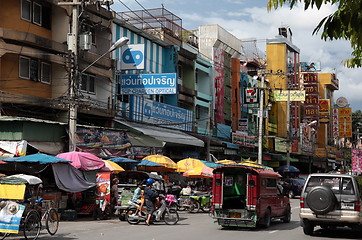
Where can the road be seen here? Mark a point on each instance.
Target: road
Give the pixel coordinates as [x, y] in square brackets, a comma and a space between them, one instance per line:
[191, 226]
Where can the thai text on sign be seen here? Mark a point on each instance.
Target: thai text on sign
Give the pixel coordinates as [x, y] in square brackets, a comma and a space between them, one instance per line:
[292, 95]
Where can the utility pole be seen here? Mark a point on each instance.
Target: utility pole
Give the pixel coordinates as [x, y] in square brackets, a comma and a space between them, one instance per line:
[261, 117]
[208, 133]
[288, 129]
[73, 107]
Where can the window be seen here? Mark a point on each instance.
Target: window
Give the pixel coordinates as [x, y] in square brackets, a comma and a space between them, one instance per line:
[45, 72]
[179, 71]
[24, 67]
[34, 69]
[25, 10]
[37, 12]
[269, 182]
[87, 83]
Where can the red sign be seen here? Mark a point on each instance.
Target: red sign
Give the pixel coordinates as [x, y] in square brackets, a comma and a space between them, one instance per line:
[324, 106]
[312, 100]
[310, 78]
[311, 111]
[311, 89]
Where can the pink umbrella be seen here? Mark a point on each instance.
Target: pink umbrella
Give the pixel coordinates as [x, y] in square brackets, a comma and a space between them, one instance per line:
[83, 160]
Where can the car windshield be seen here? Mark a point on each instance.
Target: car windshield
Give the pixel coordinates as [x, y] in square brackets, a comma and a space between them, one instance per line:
[336, 184]
[329, 182]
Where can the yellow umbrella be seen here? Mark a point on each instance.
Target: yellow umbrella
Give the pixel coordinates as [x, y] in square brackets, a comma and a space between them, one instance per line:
[163, 160]
[227, 162]
[199, 172]
[251, 164]
[112, 166]
[188, 163]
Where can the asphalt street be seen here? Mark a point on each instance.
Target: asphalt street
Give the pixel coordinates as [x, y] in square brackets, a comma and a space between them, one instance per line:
[191, 226]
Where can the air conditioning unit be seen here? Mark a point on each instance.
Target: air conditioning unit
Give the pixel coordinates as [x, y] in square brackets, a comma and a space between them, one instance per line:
[85, 41]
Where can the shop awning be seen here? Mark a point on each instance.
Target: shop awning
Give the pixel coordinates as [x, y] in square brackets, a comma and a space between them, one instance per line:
[52, 148]
[142, 140]
[231, 145]
[164, 134]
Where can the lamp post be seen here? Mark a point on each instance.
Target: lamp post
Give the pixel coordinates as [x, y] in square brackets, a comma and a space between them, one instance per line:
[261, 118]
[73, 109]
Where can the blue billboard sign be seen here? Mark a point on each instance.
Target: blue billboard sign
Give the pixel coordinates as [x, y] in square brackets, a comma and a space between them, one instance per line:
[140, 84]
[148, 111]
[132, 56]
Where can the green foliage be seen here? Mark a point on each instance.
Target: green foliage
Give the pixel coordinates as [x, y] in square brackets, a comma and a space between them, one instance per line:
[345, 23]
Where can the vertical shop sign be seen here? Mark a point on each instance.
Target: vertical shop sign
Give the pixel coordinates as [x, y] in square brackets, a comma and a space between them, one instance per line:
[219, 84]
[356, 160]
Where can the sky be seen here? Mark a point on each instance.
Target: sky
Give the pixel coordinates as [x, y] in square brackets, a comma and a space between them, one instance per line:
[249, 19]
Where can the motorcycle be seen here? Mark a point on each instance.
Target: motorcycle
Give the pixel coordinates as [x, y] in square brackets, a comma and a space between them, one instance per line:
[187, 203]
[163, 213]
[203, 201]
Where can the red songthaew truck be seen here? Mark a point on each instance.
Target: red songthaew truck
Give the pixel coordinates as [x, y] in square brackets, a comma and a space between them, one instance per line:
[245, 196]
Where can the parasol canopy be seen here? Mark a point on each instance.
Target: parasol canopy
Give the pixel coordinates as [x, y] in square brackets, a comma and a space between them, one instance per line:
[253, 164]
[32, 180]
[122, 160]
[211, 164]
[163, 160]
[83, 160]
[287, 169]
[112, 166]
[147, 165]
[188, 163]
[199, 172]
[227, 162]
[37, 158]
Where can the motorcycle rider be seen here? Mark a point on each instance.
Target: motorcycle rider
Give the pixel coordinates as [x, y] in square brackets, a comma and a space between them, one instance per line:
[151, 197]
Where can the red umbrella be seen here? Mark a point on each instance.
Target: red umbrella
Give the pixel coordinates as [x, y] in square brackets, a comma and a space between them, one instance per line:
[83, 160]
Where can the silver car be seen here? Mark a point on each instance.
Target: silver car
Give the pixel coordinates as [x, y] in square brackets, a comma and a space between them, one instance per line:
[330, 200]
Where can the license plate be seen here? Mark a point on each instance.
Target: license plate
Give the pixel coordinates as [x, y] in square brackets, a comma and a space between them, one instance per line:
[235, 215]
[347, 206]
[326, 216]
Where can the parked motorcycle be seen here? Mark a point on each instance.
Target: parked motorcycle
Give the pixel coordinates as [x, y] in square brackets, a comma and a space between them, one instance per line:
[186, 203]
[202, 200]
[163, 213]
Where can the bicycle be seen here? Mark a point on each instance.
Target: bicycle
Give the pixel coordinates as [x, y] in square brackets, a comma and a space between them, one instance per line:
[49, 217]
[35, 218]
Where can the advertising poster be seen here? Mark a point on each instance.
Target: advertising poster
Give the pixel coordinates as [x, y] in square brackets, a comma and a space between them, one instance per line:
[103, 188]
[9, 223]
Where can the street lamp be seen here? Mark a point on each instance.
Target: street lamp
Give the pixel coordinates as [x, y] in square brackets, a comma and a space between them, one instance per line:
[119, 43]
[73, 109]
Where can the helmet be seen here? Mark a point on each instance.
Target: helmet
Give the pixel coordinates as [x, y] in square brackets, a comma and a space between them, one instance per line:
[149, 181]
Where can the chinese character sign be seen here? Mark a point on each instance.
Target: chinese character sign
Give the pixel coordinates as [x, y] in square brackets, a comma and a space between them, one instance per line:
[356, 160]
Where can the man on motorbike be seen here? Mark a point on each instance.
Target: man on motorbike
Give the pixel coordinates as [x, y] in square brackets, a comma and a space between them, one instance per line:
[151, 197]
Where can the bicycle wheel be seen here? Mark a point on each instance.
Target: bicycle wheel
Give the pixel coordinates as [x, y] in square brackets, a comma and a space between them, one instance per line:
[52, 221]
[132, 217]
[32, 225]
[194, 206]
[206, 207]
[170, 216]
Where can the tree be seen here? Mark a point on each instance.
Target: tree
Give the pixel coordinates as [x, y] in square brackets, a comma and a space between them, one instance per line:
[345, 23]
